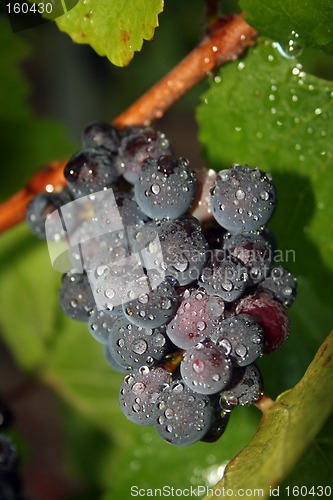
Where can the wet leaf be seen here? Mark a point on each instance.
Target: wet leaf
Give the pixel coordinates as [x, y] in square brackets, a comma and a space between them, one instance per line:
[113, 28]
[265, 111]
[286, 429]
[293, 23]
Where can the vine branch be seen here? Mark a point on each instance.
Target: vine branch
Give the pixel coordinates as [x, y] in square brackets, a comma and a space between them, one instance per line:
[225, 40]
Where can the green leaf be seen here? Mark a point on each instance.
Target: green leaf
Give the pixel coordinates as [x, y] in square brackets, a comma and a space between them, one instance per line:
[286, 429]
[318, 457]
[265, 111]
[293, 23]
[113, 28]
[28, 296]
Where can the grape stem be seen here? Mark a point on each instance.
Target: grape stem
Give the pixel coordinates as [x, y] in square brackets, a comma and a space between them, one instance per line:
[224, 41]
[265, 403]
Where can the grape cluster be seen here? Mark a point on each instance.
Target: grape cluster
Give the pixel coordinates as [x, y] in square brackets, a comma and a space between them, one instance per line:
[183, 309]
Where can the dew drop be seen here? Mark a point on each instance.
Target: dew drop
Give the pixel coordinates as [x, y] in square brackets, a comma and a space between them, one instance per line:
[201, 325]
[169, 413]
[139, 346]
[264, 195]
[241, 350]
[178, 388]
[109, 293]
[224, 174]
[136, 408]
[226, 345]
[166, 304]
[101, 270]
[143, 298]
[227, 285]
[240, 194]
[198, 366]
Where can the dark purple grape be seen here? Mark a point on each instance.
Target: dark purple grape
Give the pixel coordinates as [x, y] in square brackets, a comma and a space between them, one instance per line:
[241, 338]
[206, 368]
[104, 237]
[149, 307]
[281, 284]
[165, 188]
[99, 226]
[135, 346]
[139, 144]
[224, 275]
[271, 316]
[100, 324]
[245, 388]
[113, 363]
[254, 251]
[110, 274]
[243, 198]
[75, 297]
[195, 318]
[101, 134]
[183, 416]
[218, 425]
[91, 248]
[139, 393]
[44, 207]
[130, 212]
[184, 248]
[89, 171]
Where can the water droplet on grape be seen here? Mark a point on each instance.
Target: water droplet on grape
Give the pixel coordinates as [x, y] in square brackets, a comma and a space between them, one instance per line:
[155, 188]
[198, 366]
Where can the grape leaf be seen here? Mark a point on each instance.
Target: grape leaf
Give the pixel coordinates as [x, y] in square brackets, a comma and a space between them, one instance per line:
[21, 319]
[264, 110]
[278, 117]
[319, 457]
[286, 429]
[113, 28]
[294, 23]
